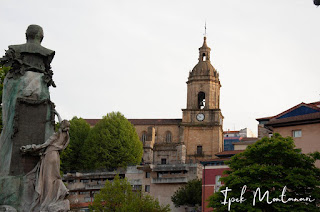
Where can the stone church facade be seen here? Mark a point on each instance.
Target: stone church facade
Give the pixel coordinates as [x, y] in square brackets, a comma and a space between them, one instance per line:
[173, 148]
[199, 134]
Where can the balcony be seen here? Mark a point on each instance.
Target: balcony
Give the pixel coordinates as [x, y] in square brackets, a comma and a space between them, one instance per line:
[170, 180]
[92, 186]
[171, 167]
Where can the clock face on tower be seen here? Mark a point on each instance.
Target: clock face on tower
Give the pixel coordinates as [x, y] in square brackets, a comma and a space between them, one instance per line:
[200, 116]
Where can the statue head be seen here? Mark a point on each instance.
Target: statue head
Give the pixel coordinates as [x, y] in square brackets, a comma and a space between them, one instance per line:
[34, 33]
[65, 125]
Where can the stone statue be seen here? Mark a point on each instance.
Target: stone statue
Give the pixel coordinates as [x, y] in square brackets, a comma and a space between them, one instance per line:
[30, 173]
[29, 78]
[46, 191]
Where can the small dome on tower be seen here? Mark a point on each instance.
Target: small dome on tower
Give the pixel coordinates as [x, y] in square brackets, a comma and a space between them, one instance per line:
[204, 67]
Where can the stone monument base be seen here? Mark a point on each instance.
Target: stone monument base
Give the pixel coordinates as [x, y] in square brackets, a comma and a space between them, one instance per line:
[11, 194]
[7, 208]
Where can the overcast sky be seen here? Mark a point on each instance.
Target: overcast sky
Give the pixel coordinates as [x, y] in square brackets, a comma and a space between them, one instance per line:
[135, 56]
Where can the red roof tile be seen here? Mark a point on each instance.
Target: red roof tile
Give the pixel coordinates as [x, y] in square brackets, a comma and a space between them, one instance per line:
[226, 132]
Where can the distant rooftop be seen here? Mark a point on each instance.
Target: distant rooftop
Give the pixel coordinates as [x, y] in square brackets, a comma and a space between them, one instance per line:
[93, 122]
[298, 110]
[228, 153]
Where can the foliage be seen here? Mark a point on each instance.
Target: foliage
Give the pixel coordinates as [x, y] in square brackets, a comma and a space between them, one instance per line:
[271, 164]
[3, 71]
[189, 194]
[72, 155]
[112, 143]
[117, 196]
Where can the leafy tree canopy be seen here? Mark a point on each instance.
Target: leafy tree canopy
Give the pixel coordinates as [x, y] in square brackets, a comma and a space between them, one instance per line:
[117, 196]
[189, 194]
[277, 168]
[112, 143]
[71, 157]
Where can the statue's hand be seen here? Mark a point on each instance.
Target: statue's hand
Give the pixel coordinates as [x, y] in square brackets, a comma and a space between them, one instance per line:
[28, 148]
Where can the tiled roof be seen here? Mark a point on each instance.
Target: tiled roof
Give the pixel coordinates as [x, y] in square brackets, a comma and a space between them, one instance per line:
[296, 120]
[216, 159]
[93, 122]
[249, 139]
[155, 121]
[226, 132]
[244, 142]
[232, 138]
[314, 105]
[232, 152]
[265, 118]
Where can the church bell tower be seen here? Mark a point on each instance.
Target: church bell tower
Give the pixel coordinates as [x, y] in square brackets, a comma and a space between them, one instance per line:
[202, 119]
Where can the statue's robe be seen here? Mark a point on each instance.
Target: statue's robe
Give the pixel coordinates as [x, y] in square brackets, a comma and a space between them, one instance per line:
[46, 190]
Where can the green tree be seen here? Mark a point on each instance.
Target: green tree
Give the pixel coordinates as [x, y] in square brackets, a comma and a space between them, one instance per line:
[189, 194]
[117, 196]
[72, 155]
[270, 164]
[112, 143]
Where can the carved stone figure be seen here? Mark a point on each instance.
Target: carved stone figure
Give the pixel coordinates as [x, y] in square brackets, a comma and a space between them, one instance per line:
[28, 79]
[30, 178]
[46, 191]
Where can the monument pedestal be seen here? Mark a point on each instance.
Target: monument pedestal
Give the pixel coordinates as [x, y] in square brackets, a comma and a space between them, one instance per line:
[12, 188]
[33, 123]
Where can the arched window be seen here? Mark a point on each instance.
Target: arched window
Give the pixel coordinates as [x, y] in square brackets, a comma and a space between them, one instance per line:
[204, 57]
[168, 136]
[201, 100]
[144, 136]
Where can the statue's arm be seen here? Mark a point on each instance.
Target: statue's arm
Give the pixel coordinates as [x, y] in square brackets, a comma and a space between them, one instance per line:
[34, 148]
[47, 143]
[58, 115]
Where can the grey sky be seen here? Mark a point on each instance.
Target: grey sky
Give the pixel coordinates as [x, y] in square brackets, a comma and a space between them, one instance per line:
[134, 56]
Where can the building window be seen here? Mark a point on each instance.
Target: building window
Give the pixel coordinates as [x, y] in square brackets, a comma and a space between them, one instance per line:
[84, 192]
[296, 133]
[163, 161]
[144, 136]
[84, 180]
[218, 182]
[147, 174]
[199, 150]
[204, 58]
[147, 188]
[168, 136]
[201, 100]
[137, 187]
